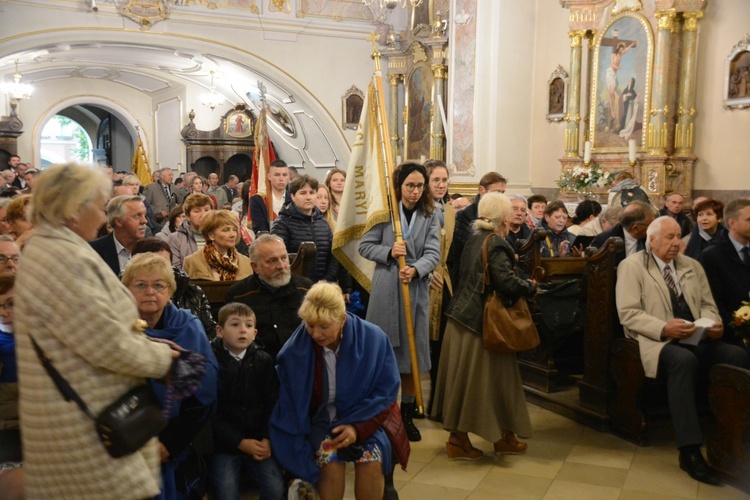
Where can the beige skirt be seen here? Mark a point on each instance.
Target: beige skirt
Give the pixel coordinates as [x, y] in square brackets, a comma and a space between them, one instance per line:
[478, 391]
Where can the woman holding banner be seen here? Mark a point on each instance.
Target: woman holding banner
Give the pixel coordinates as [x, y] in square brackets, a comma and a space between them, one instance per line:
[421, 248]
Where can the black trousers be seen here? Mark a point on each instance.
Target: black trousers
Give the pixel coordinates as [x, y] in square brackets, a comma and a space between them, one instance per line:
[685, 366]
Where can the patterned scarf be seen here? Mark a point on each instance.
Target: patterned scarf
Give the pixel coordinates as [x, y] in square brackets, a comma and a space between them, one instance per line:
[226, 265]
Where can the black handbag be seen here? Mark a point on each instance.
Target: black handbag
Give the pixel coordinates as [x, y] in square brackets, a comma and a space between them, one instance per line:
[126, 425]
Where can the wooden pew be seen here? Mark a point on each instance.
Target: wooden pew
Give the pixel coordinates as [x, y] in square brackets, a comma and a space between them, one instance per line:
[728, 449]
[601, 326]
[302, 263]
[538, 366]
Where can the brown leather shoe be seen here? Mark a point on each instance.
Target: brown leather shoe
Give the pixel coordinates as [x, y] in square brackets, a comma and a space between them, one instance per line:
[462, 450]
[510, 445]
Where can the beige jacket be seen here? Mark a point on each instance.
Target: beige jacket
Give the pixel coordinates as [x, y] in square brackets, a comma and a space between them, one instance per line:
[198, 269]
[644, 304]
[82, 317]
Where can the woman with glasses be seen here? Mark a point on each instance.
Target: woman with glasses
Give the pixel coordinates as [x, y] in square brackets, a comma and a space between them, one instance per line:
[420, 226]
[150, 279]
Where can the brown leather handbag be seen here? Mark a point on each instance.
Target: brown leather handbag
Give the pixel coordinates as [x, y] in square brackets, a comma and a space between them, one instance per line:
[506, 329]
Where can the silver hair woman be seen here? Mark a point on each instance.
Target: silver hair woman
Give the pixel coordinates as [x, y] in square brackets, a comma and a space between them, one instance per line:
[467, 397]
[85, 321]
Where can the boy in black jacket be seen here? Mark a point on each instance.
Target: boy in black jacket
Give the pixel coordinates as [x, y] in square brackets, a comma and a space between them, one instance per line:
[248, 389]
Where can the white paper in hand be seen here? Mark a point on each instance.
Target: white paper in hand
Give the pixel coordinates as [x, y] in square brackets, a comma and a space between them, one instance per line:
[700, 331]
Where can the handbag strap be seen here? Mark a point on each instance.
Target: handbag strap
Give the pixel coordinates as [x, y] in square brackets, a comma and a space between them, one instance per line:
[485, 261]
[62, 385]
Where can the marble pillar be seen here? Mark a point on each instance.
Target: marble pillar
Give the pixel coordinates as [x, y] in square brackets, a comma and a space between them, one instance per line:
[685, 128]
[393, 80]
[573, 117]
[657, 127]
[437, 134]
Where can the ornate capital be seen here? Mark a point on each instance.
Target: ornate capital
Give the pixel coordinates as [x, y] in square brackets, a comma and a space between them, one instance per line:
[590, 35]
[393, 78]
[691, 20]
[573, 118]
[439, 71]
[666, 19]
[575, 37]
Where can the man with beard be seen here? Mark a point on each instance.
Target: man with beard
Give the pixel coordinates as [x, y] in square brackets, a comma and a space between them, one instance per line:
[273, 292]
[127, 217]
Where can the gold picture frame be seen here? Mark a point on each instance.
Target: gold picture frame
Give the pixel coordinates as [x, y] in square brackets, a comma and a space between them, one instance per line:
[622, 71]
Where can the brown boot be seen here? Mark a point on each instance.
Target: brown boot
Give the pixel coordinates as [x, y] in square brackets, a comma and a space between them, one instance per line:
[510, 445]
[459, 447]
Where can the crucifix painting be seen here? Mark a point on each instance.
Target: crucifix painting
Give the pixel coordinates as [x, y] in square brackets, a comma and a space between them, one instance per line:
[620, 99]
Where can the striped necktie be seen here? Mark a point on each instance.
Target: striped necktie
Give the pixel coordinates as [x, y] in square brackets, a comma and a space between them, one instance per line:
[669, 280]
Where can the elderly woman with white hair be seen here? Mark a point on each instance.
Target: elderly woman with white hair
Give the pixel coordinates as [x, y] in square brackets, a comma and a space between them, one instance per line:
[477, 390]
[86, 322]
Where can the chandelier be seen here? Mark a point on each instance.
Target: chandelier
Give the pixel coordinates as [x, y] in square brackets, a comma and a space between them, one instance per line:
[392, 4]
[18, 90]
[212, 99]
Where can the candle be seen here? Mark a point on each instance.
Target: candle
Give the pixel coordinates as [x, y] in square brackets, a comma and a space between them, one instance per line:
[398, 159]
[631, 150]
[587, 152]
[421, 159]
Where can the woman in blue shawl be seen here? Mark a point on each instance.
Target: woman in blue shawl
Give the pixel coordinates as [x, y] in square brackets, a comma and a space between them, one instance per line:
[337, 400]
[150, 279]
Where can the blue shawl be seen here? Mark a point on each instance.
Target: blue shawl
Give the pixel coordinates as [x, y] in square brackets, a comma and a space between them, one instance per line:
[186, 330]
[367, 382]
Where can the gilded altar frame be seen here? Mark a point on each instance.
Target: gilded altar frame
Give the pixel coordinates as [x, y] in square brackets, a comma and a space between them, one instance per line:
[601, 121]
[737, 76]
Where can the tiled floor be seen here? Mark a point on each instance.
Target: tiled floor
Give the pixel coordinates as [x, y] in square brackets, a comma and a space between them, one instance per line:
[565, 460]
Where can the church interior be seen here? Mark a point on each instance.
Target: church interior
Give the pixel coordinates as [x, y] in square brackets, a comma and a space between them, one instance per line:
[530, 89]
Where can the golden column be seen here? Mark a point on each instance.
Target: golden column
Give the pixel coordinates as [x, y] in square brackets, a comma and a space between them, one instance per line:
[573, 117]
[683, 137]
[393, 80]
[590, 35]
[437, 134]
[657, 127]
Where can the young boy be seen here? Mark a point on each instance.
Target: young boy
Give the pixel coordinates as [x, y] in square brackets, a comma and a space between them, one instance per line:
[248, 389]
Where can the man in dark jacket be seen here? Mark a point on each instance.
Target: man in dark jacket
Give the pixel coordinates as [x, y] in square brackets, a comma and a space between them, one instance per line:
[490, 182]
[634, 222]
[272, 291]
[673, 207]
[727, 264]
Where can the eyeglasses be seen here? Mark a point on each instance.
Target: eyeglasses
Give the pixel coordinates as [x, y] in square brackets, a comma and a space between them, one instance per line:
[5, 258]
[142, 287]
[7, 306]
[412, 187]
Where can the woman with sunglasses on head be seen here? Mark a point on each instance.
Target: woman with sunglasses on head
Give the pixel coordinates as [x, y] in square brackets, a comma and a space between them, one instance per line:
[420, 226]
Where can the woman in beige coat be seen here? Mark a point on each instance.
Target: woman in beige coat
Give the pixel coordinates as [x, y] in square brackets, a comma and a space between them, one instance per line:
[85, 322]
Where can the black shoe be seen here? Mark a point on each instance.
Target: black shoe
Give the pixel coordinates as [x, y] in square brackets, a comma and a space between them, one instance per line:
[693, 463]
[407, 413]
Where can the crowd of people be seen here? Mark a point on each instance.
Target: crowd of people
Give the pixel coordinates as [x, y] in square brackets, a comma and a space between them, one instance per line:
[291, 383]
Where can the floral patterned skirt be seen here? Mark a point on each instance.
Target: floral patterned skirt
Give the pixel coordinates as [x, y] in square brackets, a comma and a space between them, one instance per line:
[356, 453]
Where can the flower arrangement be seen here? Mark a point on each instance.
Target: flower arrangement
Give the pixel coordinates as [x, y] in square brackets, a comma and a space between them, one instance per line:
[583, 179]
[741, 321]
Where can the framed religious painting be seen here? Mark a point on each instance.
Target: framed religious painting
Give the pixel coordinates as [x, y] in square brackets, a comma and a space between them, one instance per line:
[418, 111]
[239, 123]
[351, 107]
[557, 95]
[737, 76]
[621, 83]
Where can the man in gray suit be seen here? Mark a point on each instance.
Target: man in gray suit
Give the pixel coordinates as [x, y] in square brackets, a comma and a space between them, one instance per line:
[161, 194]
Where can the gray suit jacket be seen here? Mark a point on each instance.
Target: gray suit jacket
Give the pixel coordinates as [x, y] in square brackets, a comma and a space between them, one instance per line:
[155, 195]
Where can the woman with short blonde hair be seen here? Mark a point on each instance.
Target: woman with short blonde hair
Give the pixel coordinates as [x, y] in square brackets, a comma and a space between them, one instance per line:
[354, 426]
[85, 320]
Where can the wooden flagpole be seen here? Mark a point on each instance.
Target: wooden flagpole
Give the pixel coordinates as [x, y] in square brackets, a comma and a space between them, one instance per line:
[388, 160]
